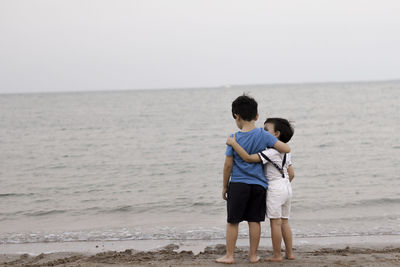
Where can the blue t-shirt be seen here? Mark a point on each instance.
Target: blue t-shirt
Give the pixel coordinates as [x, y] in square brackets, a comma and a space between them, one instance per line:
[253, 142]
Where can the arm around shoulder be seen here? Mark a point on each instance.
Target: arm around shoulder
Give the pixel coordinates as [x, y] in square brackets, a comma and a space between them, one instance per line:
[282, 147]
[231, 141]
[244, 155]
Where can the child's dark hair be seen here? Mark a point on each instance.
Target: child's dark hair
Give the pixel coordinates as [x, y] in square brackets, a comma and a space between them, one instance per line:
[246, 107]
[283, 126]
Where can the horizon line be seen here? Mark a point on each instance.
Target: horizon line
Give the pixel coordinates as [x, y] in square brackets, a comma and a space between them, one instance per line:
[224, 86]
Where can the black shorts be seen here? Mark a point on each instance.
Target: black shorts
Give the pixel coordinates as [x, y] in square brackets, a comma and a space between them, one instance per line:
[246, 202]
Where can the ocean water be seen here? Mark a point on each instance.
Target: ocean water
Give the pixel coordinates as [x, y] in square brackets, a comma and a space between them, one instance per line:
[147, 165]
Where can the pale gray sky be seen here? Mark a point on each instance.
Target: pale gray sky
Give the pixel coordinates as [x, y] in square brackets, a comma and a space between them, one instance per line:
[57, 45]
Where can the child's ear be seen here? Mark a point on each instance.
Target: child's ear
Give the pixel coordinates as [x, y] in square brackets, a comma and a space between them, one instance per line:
[256, 118]
[277, 134]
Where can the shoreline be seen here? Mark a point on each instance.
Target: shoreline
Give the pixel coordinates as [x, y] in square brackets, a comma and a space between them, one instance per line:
[337, 251]
[195, 246]
[170, 256]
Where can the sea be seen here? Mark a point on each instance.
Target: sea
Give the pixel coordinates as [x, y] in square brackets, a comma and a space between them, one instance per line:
[146, 165]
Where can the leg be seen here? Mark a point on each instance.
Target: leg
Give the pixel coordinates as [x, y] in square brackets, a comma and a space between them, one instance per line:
[255, 214]
[276, 236]
[287, 238]
[232, 230]
[236, 198]
[254, 235]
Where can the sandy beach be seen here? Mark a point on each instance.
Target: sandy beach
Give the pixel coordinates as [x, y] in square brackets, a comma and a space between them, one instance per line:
[172, 255]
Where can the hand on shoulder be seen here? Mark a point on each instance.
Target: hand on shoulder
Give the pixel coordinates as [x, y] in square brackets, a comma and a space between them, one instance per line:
[231, 140]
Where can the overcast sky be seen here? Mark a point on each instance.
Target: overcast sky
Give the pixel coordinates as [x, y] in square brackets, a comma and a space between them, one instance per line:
[57, 45]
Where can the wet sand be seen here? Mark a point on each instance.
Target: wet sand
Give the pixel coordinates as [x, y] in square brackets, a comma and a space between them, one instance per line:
[172, 255]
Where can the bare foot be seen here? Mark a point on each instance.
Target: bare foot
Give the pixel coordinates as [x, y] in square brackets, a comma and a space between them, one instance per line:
[274, 259]
[225, 259]
[254, 259]
[289, 257]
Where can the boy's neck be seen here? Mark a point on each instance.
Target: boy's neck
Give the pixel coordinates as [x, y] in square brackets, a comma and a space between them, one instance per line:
[247, 126]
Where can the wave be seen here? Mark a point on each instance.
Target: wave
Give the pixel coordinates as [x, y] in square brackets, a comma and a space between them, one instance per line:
[166, 234]
[16, 194]
[297, 204]
[380, 201]
[45, 212]
[126, 208]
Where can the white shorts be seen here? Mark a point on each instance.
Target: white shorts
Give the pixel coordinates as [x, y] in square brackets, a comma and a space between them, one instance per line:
[279, 198]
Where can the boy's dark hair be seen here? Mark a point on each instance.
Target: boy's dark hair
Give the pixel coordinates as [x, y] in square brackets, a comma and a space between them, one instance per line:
[246, 107]
[283, 126]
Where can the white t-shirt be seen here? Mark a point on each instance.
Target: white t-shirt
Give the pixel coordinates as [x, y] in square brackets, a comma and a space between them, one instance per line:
[270, 171]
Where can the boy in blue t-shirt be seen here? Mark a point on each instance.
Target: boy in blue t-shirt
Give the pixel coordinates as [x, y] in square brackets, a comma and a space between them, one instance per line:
[245, 191]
